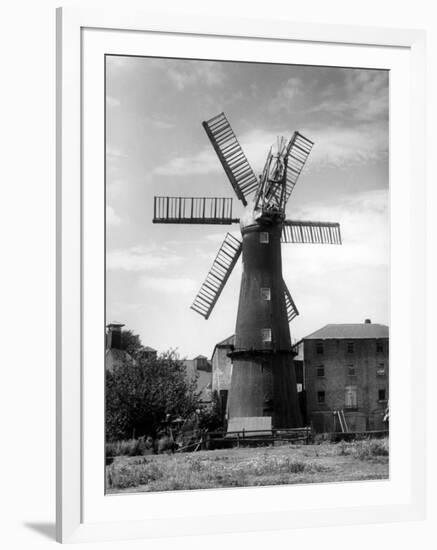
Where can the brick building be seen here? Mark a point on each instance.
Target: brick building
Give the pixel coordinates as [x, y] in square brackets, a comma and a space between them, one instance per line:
[347, 369]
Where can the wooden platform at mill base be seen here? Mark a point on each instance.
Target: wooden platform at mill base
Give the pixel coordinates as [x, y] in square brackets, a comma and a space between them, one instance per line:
[255, 431]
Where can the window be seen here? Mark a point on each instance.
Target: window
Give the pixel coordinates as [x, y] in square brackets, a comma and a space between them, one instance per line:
[265, 294]
[380, 370]
[381, 395]
[319, 348]
[266, 335]
[350, 397]
[264, 237]
[351, 370]
[320, 397]
[321, 371]
[350, 347]
[379, 347]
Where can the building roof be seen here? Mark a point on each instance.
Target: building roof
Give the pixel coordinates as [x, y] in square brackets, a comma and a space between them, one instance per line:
[229, 341]
[349, 331]
[226, 343]
[148, 348]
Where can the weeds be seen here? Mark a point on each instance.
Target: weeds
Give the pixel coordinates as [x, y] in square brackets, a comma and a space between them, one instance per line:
[367, 449]
[127, 447]
[194, 472]
[367, 459]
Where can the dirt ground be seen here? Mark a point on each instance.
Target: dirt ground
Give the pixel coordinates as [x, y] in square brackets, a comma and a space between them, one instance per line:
[245, 467]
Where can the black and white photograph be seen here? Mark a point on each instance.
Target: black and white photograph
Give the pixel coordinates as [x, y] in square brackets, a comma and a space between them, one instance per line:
[247, 274]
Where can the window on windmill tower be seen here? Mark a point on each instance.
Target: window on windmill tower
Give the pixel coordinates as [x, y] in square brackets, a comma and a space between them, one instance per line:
[319, 348]
[265, 294]
[266, 335]
[264, 237]
[351, 370]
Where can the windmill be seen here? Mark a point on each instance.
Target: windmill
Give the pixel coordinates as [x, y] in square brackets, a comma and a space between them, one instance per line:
[263, 391]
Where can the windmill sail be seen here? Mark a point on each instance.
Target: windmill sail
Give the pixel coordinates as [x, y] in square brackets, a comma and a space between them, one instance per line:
[203, 210]
[219, 273]
[292, 310]
[232, 157]
[299, 149]
[311, 232]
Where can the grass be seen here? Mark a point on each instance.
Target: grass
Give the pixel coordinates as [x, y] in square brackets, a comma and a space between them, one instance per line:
[127, 447]
[367, 449]
[246, 467]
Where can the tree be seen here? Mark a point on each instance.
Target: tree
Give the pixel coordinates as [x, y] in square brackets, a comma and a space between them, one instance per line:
[131, 343]
[140, 394]
[210, 416]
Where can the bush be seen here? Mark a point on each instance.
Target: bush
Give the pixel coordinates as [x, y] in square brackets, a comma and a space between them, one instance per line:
[127, 447]
[141, 393]
[367, 449]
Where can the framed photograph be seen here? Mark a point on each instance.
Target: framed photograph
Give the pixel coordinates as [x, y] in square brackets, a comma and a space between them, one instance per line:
[240, 264]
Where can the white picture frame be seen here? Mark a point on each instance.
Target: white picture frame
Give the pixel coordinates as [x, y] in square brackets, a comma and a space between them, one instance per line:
[82, 510]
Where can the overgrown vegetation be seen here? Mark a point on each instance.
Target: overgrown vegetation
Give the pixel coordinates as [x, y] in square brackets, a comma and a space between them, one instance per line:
[210, 416]
[141, 393]
[201, 472]
[131, 343]
[127, 447]
[247, 467]
[367, 449]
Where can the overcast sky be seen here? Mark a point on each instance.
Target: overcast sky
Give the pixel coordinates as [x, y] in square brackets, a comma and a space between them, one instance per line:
[157, 146]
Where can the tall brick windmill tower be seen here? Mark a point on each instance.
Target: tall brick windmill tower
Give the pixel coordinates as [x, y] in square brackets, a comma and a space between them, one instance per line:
[263, 391]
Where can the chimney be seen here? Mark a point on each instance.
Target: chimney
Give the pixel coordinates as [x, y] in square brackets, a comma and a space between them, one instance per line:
[367, 321]
[113, 336]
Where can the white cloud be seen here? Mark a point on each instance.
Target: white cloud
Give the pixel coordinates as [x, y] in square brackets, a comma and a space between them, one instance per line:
[337, 146]
[204, 162]
[112, 101]
[118, 61]
[114, 152]
[216, 237]
[364, 224]
[162, 125]
[189, 73]
[115, 187]
[141, 258]
[347, 283]
[169, 285]
[362, 96]
[334, 146]
[285, 98]
[112, 218]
